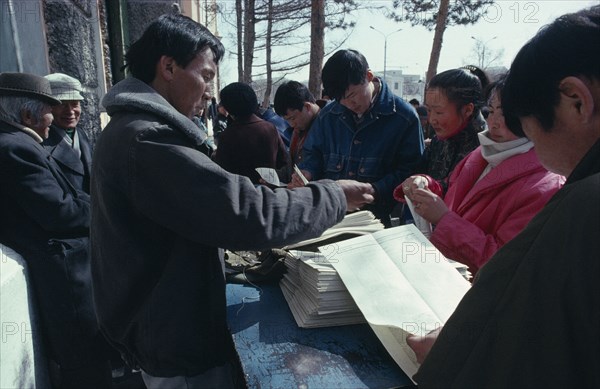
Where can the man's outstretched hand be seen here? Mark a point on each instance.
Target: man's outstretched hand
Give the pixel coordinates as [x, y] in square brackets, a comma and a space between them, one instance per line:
[358, 194]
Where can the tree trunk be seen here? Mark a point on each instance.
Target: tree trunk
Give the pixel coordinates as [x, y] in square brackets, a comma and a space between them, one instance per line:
[438, 38]
[240, 29]
[317, 46]
[249, 38]
[267, 99]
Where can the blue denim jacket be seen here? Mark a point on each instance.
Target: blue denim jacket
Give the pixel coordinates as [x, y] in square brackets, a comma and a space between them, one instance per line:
[383, 149]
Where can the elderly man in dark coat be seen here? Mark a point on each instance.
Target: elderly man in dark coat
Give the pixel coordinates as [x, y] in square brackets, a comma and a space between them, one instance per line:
[69, 145]
[46, 220]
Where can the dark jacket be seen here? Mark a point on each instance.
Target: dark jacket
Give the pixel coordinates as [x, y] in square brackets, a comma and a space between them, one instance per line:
[76, 169]
[248, 144]
[531, 318]
[160, 210]
[46, 220]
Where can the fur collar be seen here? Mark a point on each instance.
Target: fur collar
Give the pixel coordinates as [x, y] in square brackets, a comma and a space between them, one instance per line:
[132, 94]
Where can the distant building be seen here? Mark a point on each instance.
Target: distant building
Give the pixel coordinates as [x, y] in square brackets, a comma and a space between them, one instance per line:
[407, 86]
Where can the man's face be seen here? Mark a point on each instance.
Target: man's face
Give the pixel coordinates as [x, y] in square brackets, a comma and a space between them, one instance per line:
[189, 87]
[299, 119]
[357, 98]
[42, 126]
[551, 146]
[66, 115]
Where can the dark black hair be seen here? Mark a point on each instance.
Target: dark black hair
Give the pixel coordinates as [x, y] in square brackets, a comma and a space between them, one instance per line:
[344, 68]
[462, 86]
[173, 35]
[512, 122]
[414, 102]
[566, 47]
[239, 100]
[291, 95]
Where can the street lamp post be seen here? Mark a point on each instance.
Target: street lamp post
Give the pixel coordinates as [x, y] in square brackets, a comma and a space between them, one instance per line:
[483, 47]
[385, 36]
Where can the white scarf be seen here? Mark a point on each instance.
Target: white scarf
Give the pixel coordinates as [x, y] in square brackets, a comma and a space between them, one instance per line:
[497, 152]
[74, 143]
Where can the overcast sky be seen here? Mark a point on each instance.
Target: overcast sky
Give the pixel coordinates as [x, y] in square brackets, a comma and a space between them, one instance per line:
[507, 25]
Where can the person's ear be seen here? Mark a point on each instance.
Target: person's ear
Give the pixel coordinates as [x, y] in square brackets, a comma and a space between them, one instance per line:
[467, 110]
[27, 118]
[166, 67]
[577, 98]
[370, 76]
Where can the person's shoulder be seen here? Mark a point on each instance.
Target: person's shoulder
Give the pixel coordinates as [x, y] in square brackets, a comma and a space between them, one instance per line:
[16, 138]
[83, 136]
[332, 107]
[586, 191]
[397, 109]
[20, 146]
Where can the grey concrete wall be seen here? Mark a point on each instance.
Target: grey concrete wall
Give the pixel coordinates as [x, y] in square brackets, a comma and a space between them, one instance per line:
[140, 13]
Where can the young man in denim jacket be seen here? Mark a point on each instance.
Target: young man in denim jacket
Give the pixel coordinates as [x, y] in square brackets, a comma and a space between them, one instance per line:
[367, 133]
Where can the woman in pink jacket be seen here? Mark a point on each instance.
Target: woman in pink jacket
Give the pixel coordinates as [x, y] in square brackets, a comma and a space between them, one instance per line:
[492, 194]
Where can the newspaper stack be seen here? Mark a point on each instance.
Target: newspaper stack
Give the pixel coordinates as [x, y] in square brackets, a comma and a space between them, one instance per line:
[315, 293]
[313, 289]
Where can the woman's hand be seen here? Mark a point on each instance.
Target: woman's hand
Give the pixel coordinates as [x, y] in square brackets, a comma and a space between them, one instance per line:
[413, 183]
[428, 205]
[422, 344]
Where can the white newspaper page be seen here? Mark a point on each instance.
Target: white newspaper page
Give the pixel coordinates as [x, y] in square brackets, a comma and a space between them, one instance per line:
[401, 285]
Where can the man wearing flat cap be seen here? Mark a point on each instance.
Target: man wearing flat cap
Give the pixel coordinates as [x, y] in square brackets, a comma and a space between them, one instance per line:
[46, 219]
[69, 146]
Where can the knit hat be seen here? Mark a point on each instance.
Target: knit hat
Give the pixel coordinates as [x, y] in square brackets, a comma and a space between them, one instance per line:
[29, 85]
[65, 87]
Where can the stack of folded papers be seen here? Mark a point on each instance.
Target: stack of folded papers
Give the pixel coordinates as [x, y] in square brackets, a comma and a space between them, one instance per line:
[315, 293]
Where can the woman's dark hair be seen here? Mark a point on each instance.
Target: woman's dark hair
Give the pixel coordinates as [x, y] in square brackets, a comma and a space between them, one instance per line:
[561, 49]
[512, 122]
[344, 68]
[173, 35]
[291, 95]
[239, 100]
[462, 86]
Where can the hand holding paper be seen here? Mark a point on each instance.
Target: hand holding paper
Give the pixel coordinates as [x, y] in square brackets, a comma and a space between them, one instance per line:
[299, 178]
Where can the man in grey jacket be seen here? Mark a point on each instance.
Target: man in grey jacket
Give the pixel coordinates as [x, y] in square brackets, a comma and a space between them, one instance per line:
[161, 209]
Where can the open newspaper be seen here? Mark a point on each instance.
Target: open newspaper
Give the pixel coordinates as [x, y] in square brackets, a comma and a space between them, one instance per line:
[353, 224]
[401, 283]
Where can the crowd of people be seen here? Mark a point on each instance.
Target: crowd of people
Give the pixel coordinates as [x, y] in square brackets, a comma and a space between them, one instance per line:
[125, 249]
